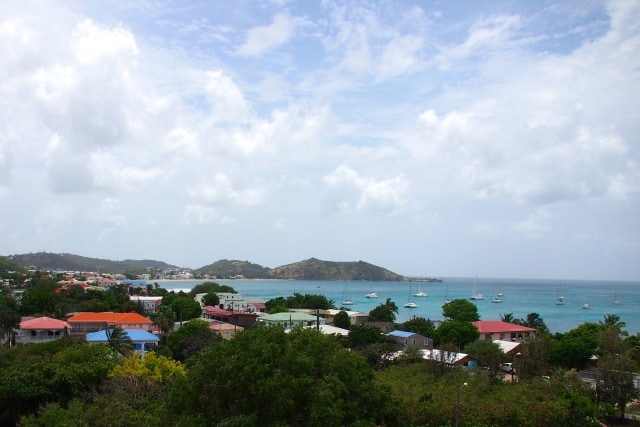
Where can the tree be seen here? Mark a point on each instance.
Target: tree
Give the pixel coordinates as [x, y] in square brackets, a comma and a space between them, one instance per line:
[419, 325]
[118, 340]
[191, 338]
[487, 353]
[574, 349]
[457, 333]
[266, 376]
[164, 318]
[384, 312]
[185, 308]
[341, 320]
[508, 318]
[211, 298]
[533, 320]
[614, 377]
[460, 310]
[613, 320]
[206, 287]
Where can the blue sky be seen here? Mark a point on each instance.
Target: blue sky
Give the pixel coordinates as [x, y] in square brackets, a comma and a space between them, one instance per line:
[431, 138]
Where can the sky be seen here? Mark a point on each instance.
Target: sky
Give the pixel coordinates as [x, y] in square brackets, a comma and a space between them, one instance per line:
[432, 138]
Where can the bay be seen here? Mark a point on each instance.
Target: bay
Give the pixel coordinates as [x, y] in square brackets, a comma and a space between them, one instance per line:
[520, 297]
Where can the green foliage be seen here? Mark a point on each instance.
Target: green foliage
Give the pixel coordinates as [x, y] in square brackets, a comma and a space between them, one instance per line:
[341, 320]
[297, 300]
[460, 310]
[300, 379]
[207, 287]
[574, 349]
[384, 312]
[487, 354]
[185, 308]
[533, 320]
[118, 341]
[38, 300]
[455, 332]
[210, 298]
[191, 338]
[419, 325]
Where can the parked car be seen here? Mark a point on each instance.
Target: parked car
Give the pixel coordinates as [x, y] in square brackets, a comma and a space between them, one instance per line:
[507, 367]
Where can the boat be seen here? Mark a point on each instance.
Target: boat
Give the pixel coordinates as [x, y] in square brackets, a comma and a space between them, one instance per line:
[420, 293]
[410, 303]
[586, 306]
[345, 296]
[615, 301]
[371, 295]
[560, 300]
[476, 296]
[496, 299]
[447, 300]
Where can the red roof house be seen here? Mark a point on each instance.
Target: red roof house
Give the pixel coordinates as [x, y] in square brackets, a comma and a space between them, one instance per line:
[498, 330]
[42, 329]
[92, 322]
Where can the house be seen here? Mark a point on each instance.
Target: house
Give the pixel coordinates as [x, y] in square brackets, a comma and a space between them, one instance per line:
[226, 330]
[290, 319]
[143, 341]
[510, 348]
[410, 338]
[83, 323]
[449, 358]
[330, 330]
[150, 304]
[355, 317]
[492, 330]
[41, 329]
[236, 318]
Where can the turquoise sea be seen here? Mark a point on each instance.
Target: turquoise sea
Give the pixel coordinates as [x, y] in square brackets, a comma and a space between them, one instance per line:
[520, 297]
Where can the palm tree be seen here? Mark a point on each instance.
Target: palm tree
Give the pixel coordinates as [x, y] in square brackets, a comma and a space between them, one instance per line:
[508, 318]
[164, 319]
[612, 320]
[534, 320]
[119, 341]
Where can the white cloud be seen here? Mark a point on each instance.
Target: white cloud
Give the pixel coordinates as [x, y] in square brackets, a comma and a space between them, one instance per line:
[353, 193]
[261, 40]
[199, 215]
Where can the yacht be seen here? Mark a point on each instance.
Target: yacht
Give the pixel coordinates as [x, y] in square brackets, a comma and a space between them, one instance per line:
[371, 295]
[411, 304]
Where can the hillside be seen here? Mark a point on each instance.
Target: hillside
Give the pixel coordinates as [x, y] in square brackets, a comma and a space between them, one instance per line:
[315, 269]
[70, 262]
[225, 268]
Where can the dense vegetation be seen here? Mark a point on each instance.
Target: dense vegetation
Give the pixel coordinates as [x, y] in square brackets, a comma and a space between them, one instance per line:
[265, 376]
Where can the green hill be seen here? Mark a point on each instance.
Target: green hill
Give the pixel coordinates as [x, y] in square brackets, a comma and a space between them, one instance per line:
[68, 262]
[225, 269]
[315, 269]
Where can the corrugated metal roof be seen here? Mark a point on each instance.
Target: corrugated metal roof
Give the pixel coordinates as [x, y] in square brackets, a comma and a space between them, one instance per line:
[136, 335]
[109, 317]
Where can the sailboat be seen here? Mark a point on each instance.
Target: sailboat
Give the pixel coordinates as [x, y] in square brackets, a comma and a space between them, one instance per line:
[410, 303]
[559, 299]
[615, 301]
[420, 292]
[345, 296]
[476, 295]
[447, 300]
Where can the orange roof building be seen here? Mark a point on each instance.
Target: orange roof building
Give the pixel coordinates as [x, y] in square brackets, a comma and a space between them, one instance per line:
[92, 322]
[493, 330]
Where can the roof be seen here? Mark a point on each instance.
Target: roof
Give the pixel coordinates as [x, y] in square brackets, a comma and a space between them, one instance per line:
[136, 335]
[111, 318]
[492, 326]
[448, 356]
[43, 323]
[331, 330]
[286, 316]
[507, 346]
[403, 334]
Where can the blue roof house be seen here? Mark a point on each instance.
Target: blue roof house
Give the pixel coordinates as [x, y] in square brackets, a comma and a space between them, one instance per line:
[143, 341]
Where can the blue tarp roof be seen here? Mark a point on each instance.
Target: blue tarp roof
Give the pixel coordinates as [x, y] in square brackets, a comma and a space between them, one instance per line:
[402, 334]
[136, 335]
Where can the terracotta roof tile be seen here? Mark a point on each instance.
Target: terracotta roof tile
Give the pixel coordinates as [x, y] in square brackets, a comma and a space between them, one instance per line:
[108, 317]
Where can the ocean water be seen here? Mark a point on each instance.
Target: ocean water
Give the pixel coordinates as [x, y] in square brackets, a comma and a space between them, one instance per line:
[521, 297]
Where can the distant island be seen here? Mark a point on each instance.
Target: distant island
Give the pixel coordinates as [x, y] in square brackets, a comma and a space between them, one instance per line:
[309, 269]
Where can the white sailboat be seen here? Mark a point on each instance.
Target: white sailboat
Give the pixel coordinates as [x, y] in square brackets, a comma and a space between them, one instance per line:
[371, 295]
[346, 300]
[420, 292]
[410, 303]
[476, 296]
[559, 299]
[615, 301]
